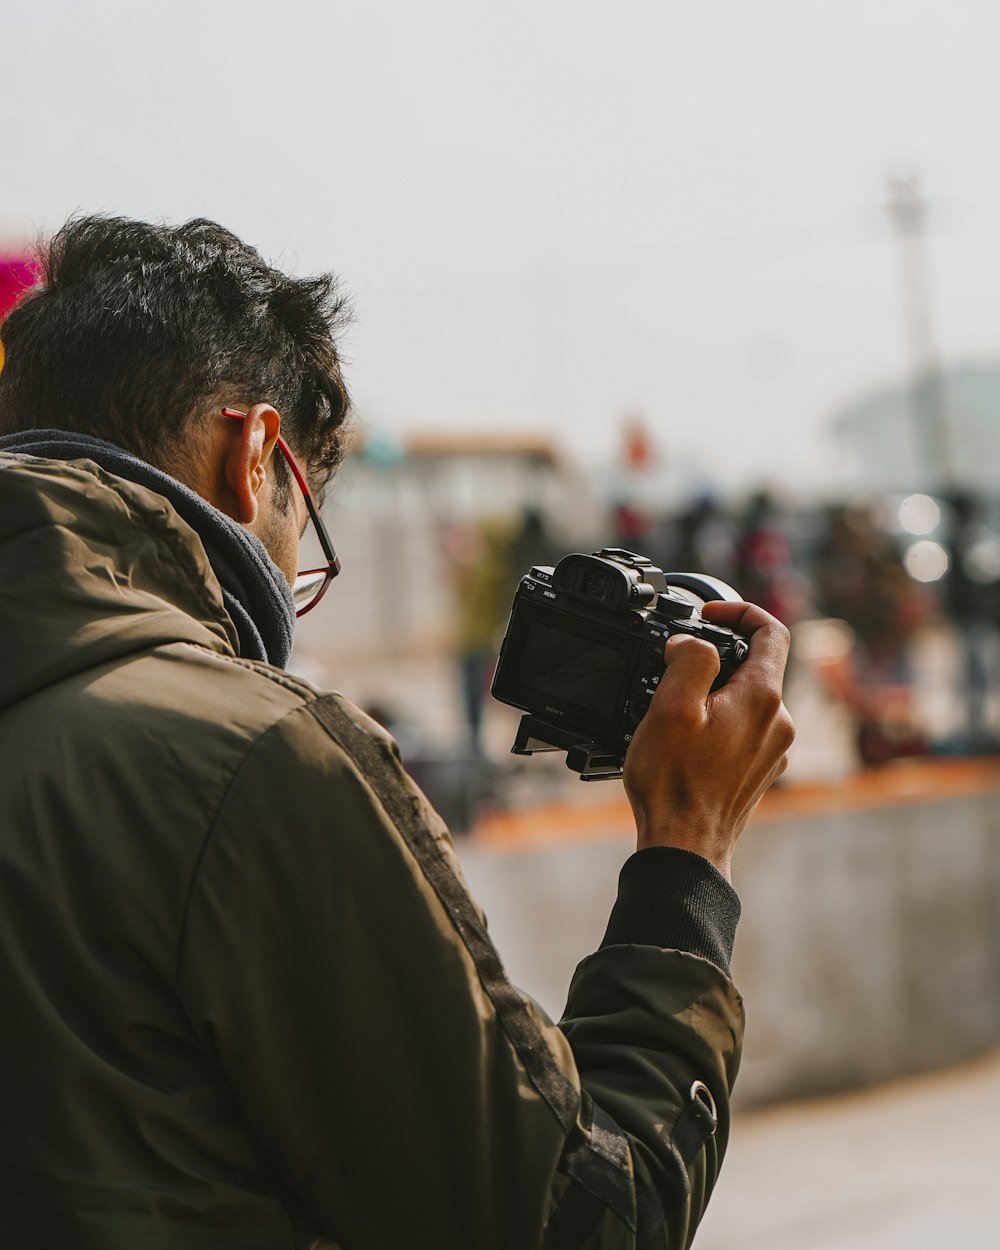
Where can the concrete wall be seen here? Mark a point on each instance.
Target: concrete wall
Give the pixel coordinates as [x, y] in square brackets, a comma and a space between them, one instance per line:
[869, 945]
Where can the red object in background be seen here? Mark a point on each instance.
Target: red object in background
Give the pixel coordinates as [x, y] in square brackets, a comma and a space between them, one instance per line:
[632, 526]
[637, 445]
[16, 275]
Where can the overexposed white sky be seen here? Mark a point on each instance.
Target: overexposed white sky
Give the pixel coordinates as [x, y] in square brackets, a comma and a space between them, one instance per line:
[550, 214]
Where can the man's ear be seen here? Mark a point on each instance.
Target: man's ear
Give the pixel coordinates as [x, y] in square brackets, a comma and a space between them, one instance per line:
[248, 458]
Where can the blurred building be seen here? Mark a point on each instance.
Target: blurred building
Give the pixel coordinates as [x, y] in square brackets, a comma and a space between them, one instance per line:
[390, 510]
[881, 439]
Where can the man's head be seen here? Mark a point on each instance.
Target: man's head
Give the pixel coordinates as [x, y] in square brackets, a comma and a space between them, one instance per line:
[140, 333]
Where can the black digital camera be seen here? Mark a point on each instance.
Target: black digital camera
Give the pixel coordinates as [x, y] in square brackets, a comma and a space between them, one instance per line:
[583, 652]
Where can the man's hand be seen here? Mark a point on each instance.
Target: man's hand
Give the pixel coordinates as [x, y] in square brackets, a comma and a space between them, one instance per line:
[700, 762]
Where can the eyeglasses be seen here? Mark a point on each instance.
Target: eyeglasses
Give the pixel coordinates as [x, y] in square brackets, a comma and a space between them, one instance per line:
[310, 585]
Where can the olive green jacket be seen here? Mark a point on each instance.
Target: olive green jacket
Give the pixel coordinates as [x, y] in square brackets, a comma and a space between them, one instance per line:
[246, 999]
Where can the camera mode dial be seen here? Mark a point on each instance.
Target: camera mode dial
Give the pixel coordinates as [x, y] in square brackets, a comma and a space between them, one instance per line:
[673, 607]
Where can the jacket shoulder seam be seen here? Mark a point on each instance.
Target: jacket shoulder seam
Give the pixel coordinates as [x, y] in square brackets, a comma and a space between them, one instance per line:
[279, 678]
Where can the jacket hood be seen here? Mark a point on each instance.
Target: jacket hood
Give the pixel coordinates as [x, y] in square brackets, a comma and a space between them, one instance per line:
[92, 568]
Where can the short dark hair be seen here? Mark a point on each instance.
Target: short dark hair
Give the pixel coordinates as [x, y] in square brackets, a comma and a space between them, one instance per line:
[134, 329]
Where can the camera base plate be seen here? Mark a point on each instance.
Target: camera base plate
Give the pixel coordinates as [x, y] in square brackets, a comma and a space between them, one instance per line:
[593, 763]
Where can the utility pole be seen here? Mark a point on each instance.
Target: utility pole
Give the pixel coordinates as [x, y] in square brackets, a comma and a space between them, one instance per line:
[907, 211]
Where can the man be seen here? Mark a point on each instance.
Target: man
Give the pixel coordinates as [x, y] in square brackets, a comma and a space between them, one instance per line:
[247, 1000]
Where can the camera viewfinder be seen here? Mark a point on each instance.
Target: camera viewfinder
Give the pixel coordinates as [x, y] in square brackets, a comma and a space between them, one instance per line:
[595, 584]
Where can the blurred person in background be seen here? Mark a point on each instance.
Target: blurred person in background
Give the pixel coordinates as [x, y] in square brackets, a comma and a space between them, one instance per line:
[859, 577]
[483, 576]
[248, 1001]
[633, 524]
[765, 569]
[705, 540]
[485, 560]
[972, 601]
[532, 543]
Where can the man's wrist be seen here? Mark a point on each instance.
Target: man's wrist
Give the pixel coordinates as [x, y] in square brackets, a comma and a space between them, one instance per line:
[672, 897]
[718, 851]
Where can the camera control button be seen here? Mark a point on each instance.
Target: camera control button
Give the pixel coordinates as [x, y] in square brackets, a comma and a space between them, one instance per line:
[638, 705]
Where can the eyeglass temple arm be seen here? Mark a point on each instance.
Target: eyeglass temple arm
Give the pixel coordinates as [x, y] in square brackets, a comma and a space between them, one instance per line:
[324, 538]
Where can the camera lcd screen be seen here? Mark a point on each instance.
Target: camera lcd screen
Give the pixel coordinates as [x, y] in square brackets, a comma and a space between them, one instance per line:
[577, 666]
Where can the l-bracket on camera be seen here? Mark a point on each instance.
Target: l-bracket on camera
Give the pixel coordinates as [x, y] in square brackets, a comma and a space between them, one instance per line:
[583, 652]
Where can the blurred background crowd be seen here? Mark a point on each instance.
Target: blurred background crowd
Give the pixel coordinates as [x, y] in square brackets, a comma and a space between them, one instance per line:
[892, 597]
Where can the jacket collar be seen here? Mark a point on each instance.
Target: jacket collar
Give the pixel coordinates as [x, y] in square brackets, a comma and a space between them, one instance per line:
[254, 591]
[92, 568]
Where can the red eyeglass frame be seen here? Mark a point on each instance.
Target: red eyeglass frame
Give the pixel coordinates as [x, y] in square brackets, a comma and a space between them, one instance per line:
[332, 567]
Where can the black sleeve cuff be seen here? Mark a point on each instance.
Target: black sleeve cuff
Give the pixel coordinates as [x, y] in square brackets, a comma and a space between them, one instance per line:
[674, 898]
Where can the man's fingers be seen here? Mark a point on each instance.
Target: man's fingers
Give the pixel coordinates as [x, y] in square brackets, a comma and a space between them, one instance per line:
[745, 618]
[769, 641]
[692, 665]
